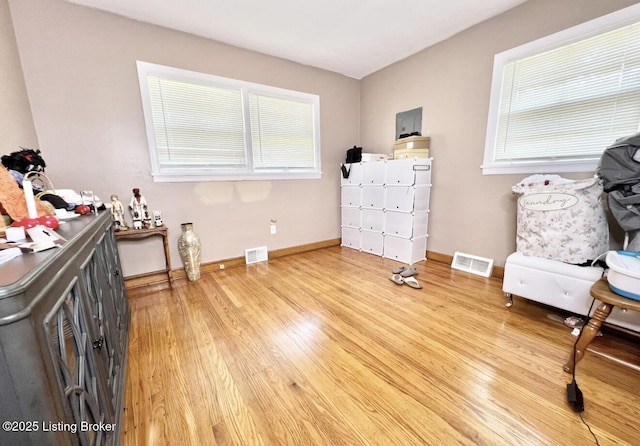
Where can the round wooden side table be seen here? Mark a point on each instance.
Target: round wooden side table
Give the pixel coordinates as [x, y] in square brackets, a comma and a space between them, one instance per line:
[601, 291]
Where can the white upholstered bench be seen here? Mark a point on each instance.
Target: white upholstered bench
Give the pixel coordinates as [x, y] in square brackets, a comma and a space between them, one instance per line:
[560, 285]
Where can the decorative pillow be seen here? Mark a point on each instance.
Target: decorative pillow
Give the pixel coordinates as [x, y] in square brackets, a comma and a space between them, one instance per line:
[561, 220]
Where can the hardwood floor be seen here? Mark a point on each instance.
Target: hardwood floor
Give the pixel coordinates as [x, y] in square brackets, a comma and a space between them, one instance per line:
[322, 349]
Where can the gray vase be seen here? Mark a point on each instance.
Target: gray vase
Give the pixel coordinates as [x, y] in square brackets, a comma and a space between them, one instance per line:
[189, 249]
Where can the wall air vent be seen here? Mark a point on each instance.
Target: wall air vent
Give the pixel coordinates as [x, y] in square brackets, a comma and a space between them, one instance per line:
[472, 264]
[255, 255]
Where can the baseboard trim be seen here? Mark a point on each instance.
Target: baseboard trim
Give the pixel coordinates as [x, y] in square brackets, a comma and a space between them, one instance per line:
[155, 278]
[439, 257]
[141, 280]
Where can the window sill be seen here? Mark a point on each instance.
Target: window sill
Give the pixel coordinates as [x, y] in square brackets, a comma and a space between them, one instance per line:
[510, 168]
[195, 178]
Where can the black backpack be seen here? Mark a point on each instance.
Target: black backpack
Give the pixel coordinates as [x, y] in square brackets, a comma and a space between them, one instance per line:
[619, 169]
[354, 155]
[620, 164]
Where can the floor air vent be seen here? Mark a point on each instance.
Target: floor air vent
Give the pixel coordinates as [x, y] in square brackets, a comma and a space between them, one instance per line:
[255, 255]
[472, 264]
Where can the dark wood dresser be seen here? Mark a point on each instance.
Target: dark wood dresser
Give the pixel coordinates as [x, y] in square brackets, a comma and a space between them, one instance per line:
[64, 324]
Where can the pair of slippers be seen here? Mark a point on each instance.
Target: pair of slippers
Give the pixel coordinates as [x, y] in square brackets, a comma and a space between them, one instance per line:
[405, 275]
[573, 322]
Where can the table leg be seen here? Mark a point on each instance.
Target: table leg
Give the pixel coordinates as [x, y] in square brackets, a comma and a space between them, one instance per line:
[588, 334]
[167, 256]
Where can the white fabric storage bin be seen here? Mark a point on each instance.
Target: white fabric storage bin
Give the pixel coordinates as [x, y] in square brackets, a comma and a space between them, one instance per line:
[371, 242]
[350, 237]
[404, 224]
[351, 196]
[405, 250]
[563, 220]
[355, 174]
[373, 173]
[372, 197]
[407, 198]
[372, 220]
[351, 216]
[559, 285]
[408, 172]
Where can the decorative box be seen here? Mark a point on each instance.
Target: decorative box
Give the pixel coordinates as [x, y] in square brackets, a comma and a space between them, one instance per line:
[412, 147]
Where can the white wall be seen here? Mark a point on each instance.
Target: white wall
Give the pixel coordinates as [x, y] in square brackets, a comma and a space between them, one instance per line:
[80, 72]
[16, 123]
[452, 82]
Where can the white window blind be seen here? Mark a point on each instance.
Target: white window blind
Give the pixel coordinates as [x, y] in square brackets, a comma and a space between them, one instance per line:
[281, 133]
[564, 106]
[203, 127]
[196, 125]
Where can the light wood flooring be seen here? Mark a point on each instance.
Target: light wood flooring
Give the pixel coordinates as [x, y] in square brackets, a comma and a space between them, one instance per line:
[323, 349]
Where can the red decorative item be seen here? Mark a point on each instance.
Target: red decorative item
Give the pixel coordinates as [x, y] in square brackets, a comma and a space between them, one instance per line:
[26, 223]
[83, 209]
[49, 221]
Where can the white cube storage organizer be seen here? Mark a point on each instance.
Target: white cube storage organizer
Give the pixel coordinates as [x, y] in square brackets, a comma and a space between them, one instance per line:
[373, 173]
[351, 217]
[372, 197]
[351, 196]
[408, 172]
[406, 198]
[392, 202]
[407, 225]
[351, 237]
[371, 242]
[372, 220]
[405, 250]
[355, 175]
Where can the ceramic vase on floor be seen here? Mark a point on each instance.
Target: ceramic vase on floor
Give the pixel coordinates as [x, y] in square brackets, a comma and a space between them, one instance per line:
[189, 249]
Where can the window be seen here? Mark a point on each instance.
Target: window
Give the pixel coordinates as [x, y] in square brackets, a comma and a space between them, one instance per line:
[558, 102]
[202, 128]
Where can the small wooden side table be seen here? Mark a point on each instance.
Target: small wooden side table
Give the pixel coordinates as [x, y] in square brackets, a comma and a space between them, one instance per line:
[601, 291]
[137, 234]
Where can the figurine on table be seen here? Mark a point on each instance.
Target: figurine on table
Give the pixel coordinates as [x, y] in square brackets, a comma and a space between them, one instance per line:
[157, 218]
[117, 213]
[139, 211]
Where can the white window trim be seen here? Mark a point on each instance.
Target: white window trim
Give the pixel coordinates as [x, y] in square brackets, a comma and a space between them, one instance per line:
[146, 69]
[490, 166]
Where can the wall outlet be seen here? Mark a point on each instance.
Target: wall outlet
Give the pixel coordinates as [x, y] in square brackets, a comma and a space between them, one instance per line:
[273, 228]
[222, 266]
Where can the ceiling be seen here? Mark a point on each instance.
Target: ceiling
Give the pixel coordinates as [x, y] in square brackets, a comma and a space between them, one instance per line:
[350, 37]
